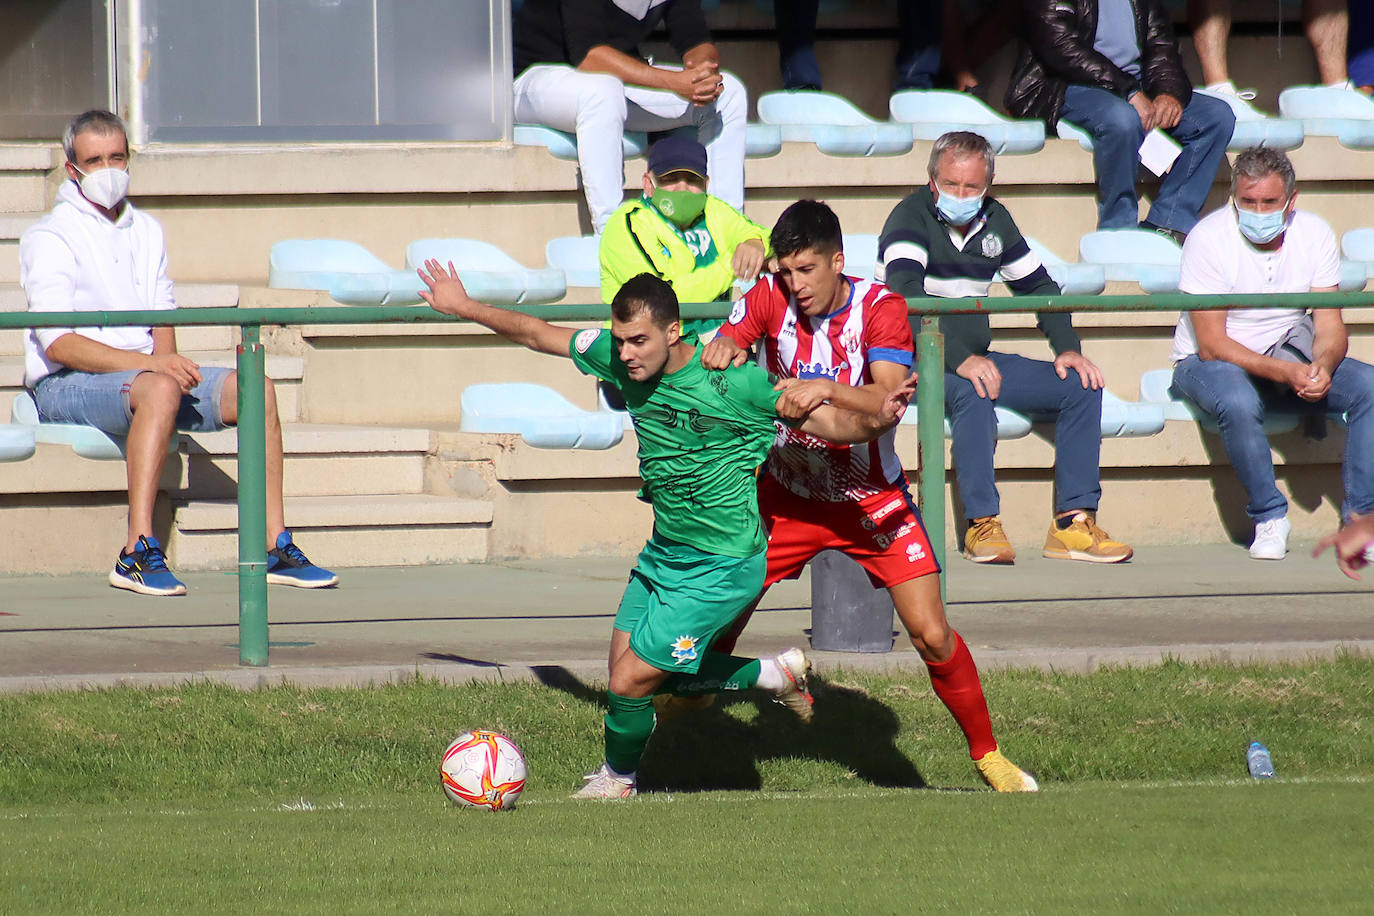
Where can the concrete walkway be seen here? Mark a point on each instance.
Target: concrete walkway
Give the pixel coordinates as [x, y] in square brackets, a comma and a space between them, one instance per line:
[456, 623]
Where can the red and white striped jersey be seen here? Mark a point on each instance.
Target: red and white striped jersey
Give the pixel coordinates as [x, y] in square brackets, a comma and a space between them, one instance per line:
[871, 327]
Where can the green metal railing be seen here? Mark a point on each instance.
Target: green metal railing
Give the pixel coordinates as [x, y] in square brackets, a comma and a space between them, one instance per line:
[930, 394]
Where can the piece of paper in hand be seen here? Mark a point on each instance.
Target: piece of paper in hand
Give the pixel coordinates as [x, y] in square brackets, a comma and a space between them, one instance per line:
[1158, 151]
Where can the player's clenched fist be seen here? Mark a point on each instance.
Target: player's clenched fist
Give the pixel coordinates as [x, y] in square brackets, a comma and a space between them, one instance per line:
[801, 396]
[722, 352]
[446, 292]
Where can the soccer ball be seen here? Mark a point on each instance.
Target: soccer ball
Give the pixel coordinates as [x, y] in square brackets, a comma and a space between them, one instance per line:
[483, 769]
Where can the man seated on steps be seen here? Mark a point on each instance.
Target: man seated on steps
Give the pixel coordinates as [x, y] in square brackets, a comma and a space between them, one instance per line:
[95, 251]
[1237, 364]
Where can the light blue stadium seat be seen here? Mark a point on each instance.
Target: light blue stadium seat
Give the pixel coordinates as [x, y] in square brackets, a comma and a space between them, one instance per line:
[932, 112]
[563, 145]
[86, 441]
[346, 270]
[861, 255]
[488, 273]
[541, 415]
[1154, 389]
[833, 124]
[1254, 128]
[1067, 130]
[1354, 275]
[1134, 256]
[1358, 247]
[1010, 424]
[578, 256]
[605, 407]
[1344, 114]
[16, 442]
[1074, 279]
[762, 140]
[1126, 419]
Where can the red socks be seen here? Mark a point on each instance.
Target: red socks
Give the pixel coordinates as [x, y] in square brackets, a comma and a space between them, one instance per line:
[956, 684]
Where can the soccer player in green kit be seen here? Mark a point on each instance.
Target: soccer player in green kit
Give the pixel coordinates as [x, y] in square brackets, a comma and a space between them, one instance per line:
[702, 435]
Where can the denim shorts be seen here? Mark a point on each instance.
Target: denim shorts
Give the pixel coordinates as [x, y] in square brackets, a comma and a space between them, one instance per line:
[101, 399]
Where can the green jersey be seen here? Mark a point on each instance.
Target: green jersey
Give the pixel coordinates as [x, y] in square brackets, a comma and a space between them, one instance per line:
[702, 436]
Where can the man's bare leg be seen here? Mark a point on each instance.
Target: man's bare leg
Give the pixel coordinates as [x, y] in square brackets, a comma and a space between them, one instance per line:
[229, 412]
[1211, 22]
[154, 399]
[1327, 23]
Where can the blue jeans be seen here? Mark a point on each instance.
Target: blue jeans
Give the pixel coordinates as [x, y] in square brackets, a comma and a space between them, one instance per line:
[1239, 400]
[101, 399]
[1028, 386]
[1204, 130]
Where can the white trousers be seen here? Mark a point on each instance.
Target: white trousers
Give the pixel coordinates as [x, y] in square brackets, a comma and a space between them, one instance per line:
[599, 108]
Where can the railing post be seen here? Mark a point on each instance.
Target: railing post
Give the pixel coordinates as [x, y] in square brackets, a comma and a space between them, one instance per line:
[930, 436]
[252, 461]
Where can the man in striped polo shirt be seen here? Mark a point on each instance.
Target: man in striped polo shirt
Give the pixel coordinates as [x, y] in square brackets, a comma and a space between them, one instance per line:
[950, 239]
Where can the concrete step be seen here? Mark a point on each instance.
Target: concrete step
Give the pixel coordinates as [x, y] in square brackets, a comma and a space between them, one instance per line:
[22, 192]
[335, 531]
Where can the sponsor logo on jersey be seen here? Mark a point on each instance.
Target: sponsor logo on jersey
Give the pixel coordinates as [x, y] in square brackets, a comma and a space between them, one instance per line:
[584, 339]
[886, 539]
[992, 245]
[737, 312]
[820, 370]
[888, 508]
[684, 649]
[915, 552]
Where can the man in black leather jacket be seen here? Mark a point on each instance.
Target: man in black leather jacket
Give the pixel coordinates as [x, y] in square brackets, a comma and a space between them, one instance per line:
[1112, 67]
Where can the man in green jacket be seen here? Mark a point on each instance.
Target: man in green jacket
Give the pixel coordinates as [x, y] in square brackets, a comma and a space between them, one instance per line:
[699, 244]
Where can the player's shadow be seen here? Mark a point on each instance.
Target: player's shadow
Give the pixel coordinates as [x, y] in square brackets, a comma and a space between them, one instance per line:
[722, 747]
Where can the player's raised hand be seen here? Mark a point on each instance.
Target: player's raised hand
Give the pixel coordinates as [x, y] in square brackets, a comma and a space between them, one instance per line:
[446, 292]
[722, 353]
[801, 396]
[897, 400]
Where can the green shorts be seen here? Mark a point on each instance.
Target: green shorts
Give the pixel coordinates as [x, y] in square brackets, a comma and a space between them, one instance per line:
[679, 599]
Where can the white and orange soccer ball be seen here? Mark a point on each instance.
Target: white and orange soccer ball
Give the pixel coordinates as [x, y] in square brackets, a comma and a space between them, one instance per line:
[483, 769]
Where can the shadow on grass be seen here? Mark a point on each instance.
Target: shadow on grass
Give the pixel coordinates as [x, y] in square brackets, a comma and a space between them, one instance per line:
[721, 747]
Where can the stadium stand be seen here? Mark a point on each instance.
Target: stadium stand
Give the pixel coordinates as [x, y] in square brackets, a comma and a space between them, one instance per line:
[1326, 112]
[834, 124]
[540, 415]
[932, 112]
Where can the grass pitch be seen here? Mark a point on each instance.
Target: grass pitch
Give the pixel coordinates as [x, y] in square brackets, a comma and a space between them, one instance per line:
[210, 800]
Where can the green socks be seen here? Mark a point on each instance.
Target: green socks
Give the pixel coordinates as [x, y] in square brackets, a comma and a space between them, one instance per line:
[718, 672]
[629, 723]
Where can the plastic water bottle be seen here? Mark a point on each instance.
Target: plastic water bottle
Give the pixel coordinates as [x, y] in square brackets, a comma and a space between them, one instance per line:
[1259, 762]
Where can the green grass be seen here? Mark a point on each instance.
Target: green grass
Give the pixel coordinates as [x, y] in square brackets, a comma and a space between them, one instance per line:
[213, 800]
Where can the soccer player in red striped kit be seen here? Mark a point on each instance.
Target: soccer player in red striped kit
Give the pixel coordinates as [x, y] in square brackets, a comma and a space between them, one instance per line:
[847, 342]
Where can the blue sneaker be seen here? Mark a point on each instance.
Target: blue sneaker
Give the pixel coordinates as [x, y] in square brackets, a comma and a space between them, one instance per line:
[287, 565]
[145, 571]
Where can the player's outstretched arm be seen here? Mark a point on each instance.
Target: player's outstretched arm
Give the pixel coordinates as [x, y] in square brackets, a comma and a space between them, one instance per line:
[446, 294]
[848, 426]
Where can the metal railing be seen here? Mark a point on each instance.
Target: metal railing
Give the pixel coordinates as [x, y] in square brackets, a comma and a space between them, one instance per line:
[930, 393]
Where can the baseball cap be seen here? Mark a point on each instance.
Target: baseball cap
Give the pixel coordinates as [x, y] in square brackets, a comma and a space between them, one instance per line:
[677, 153]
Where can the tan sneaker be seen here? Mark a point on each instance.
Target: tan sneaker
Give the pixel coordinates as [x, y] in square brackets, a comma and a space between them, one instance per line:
[1083, 540]
[1003, 775]
[986, 542]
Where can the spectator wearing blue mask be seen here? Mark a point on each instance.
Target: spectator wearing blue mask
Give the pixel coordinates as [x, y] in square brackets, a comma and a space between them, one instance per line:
[1237, 364]
[951, 239]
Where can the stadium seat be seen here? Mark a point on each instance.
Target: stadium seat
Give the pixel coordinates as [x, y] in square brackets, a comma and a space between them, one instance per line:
[563, 145]
[1010, 424]
[1358, 247]
[833, 124]
[578, 256]
[86, 441]
[932, 112]
[1254, 128]
[762, 140]
[1134, 256]
[1074, 279]
[1354, 275]
[1344, 114]
[16, 441]
[346, 270]
[605, 406]
[1067, 130]
[541, 415]
[861, 255]
[490, 274]
[1126, 419]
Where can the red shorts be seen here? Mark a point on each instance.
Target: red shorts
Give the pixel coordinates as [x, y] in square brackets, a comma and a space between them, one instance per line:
[883, 533]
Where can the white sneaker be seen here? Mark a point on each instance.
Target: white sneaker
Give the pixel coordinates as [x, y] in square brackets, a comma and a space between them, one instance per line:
[1271, 539]
[606, 783]
[1226, 87]
[793, 694]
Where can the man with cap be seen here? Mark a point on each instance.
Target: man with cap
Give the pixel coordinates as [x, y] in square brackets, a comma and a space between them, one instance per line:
[698, 243]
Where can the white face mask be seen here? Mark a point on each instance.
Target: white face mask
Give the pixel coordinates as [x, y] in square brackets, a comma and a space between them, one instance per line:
[104, 187]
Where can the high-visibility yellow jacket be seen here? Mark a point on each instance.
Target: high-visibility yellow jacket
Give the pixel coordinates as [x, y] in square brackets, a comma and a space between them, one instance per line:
[638, 239]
